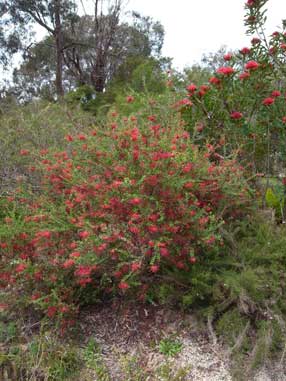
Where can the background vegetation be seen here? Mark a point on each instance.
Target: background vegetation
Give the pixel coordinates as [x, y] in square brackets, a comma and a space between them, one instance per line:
[122, 178]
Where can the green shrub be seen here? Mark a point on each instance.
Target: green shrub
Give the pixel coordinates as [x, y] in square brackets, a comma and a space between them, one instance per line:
[25, 130]
[130, 206]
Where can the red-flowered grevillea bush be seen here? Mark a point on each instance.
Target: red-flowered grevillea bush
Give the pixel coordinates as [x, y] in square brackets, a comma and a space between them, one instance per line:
[244, 101]
[114, 212]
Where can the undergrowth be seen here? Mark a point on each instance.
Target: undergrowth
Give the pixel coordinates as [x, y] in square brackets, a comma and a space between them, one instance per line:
[241, 299]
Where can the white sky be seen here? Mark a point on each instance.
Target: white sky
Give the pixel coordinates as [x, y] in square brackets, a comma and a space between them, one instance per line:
[194, 27]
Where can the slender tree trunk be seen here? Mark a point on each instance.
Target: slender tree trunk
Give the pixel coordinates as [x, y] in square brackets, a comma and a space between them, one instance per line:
[59, 49]
[98, 75]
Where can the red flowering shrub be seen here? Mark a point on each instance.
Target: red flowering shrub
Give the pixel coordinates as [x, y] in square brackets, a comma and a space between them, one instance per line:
[116, 211]
[268, 101]
[245, 102]
[227, 57]
[225, 70]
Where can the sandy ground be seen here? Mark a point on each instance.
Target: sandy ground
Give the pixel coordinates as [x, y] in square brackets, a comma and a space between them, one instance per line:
[136, 331]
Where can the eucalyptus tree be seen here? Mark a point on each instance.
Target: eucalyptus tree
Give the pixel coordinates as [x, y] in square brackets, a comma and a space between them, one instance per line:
[50, 15]
[95, 49]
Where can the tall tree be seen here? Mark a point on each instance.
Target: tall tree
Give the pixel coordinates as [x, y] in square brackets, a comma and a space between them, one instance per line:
[49, 14]
[58, 35]
[94, 50]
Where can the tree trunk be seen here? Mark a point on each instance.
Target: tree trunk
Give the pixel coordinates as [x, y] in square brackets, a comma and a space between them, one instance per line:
[58, 35]
[98, 75]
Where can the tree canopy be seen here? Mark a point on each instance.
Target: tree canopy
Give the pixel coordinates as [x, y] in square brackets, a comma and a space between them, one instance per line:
[78, 50]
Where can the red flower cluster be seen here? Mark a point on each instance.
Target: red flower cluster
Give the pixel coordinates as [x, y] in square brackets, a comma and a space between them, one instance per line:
[244, 75]
[245, 51]
[214, 81]
[255, 41]
[225, 70]
[250, 3]
[276, 93]
[227, 57]
[130, 99]
[251, 65]
[131, 202]
[268, 101]
[192, 88]
[236, 115]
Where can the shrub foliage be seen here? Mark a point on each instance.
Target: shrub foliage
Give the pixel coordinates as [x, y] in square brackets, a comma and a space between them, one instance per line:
[116, 210]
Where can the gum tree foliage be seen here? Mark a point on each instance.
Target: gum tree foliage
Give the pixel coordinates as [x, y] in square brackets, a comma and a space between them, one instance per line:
[20, 15]
[95, 49]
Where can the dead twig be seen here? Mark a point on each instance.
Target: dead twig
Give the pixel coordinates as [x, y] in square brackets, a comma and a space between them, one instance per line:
[211, 330]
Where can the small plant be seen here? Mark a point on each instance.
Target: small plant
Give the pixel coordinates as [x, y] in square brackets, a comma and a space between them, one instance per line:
[94, 361]
[166, 372]
[132, 369]
[41, 357]
[170, 347]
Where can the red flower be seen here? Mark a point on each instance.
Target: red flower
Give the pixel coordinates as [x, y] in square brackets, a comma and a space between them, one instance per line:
[84, 281]
[123, 286]
[191, 88]
[203, 90]
[152, 180]
[184, 102]
[225, 70]
[214, 81]
[276, 93]
[187, 168]
[134, 230]
[250, 3]
[68, 263]
[135, 201]
[164, 252]
[38, 275]
[84, 234]
[64, 309]
[24, 152]
[83, 271]
[154, 268]
[44, 234]
[210, 241]
[244, 75]
[268, 101]
[21, 267]
[153, 229]
[129, 99]
[51, 311]
[236, 115]
[227, 57]
[3, 307]
[283, 46]
[81, 137]
[75, 254]
[36, 296]
[245, 51]
[251, 65]
[189, 185]
[69, 138]
[135, 266]
[255, 41]
[284, 119]
[134, 134]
